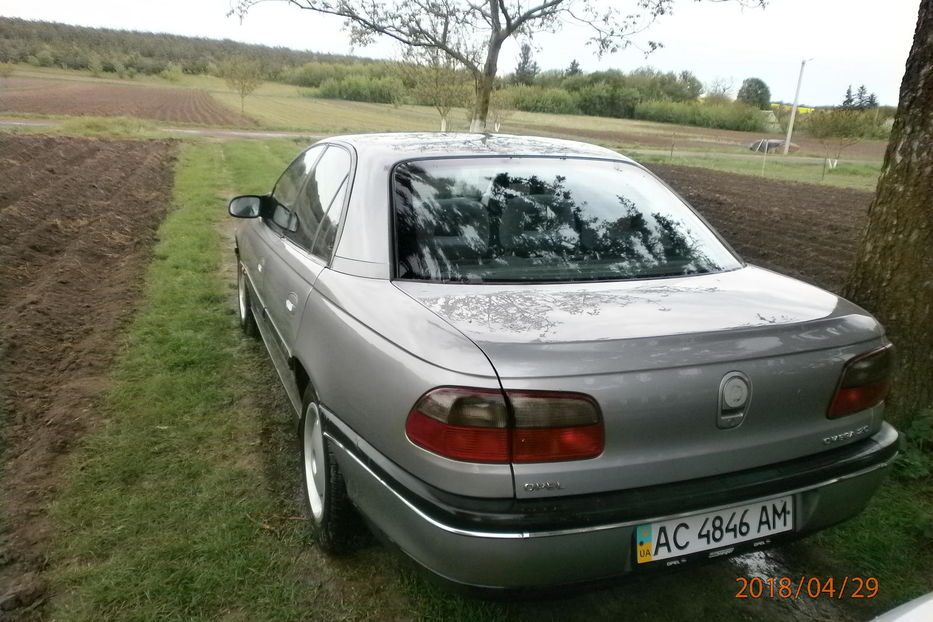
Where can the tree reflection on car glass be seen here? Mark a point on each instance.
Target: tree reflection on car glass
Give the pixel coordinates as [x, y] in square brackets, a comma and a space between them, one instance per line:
[544, 219]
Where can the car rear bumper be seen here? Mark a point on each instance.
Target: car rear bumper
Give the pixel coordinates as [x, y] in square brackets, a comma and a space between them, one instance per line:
[516, 543]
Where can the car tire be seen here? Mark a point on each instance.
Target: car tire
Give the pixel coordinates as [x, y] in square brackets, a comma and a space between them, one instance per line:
[245, 304]
[338, 526]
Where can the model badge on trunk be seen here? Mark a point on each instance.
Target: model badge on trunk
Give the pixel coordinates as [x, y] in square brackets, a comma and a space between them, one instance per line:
[536, 486]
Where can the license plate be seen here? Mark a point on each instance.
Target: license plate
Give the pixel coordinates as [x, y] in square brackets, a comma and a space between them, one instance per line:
[711, 530]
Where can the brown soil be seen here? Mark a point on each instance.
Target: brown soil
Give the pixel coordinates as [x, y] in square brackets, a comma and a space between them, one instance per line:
[84, 98]
[802, 230]
[78, 219]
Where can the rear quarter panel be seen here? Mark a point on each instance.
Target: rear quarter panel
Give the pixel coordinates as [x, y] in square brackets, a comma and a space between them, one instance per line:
[366, 347]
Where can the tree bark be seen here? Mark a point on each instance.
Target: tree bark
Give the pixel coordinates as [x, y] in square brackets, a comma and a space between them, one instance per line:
[484, 85]
[893, 273]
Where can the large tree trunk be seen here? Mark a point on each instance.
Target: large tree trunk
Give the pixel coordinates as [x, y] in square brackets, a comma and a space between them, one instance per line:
[893, 273]
[484, 85]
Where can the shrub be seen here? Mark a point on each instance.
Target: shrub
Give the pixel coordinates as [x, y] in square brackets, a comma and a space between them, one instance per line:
[313, 75]
[535, 99]
[172, 72]
[45, 58]
[605, 100]
[362, 89]
[719, 116]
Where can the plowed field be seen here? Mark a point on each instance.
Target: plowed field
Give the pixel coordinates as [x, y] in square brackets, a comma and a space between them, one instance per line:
[86, 98]
[802, 230]
[78, 219]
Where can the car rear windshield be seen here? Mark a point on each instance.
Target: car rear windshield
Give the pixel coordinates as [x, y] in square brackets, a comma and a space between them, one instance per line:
[532, 219]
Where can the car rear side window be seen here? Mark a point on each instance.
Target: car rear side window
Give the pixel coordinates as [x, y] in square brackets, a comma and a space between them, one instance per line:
[327, 189]
[327, 232]
[544, 220]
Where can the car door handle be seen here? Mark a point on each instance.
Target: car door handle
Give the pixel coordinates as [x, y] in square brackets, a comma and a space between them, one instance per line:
[289, 306]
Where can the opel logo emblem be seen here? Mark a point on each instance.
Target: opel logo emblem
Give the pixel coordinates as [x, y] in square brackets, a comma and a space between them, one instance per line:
[735, 392]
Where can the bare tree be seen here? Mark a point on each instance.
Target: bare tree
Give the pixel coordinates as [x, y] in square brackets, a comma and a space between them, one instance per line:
[840, 128]
[435, 79]
[472, 32]
[719, 91]
[893, 272]
[243, 75]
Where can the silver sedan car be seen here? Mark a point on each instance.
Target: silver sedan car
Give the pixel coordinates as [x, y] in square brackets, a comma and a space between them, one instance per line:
[527, 362]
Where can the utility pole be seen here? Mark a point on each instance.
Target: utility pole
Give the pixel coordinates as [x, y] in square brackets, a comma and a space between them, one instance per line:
[793, 111]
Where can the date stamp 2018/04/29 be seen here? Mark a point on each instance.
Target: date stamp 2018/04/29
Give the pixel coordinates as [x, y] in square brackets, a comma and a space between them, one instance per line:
[807, 587]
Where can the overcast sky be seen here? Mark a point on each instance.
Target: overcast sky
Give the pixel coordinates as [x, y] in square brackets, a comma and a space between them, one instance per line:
[850, 41]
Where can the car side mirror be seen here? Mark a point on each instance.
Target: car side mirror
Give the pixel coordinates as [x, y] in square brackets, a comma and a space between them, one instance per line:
[247, 206]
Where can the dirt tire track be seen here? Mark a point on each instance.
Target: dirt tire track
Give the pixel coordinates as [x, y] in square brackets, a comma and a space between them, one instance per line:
[76, 241]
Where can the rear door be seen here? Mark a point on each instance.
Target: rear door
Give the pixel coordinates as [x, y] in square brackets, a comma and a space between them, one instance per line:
[271, 235]
[305, 247]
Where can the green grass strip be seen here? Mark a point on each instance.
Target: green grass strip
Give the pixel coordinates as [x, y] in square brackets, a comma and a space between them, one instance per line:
[158, 519]
[891, 540]
[182, 506]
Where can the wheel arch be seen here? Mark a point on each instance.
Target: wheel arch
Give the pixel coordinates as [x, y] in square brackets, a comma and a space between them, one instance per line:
[302, 379]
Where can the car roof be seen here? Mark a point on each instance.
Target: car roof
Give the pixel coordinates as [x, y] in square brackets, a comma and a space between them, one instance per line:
[395, 147]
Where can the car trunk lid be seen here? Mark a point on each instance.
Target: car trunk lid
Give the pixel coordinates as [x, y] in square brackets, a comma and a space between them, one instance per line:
[656, 355]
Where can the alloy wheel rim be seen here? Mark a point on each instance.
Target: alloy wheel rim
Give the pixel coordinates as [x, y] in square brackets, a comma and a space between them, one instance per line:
[313, 446]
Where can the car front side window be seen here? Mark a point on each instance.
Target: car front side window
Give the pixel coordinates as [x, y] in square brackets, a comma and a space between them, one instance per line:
[287, 191]
[320, 200]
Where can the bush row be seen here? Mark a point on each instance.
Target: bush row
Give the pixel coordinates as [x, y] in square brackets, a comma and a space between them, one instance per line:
[597, 99]
[732, 116]
[387, 90]
[314, 75]
[601, 99]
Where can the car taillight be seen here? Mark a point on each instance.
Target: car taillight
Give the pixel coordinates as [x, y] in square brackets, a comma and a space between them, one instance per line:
[463, 424]
[865, 382]
[554, 426]
[480, 425]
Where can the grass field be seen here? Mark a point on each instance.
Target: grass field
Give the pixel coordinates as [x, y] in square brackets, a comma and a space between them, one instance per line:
[326, 116]
[184, 506]
[282, 107]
